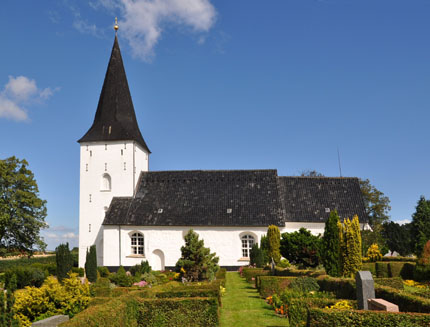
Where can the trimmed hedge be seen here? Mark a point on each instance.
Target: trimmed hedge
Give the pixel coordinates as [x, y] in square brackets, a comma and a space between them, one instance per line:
[394, 282]
[299, 272]
[343, 288]
[251, 273]
[408, 270]
[369, 266]
[399, 259]
[339, 318]
[10, 263]
[269, 285]
[135, 311]
[382, 270]
[298, 308]
[407, 302]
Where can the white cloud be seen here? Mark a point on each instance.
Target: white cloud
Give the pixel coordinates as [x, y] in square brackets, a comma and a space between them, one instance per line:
[403, 221]
[85, 27]
[143, 20]
[56, 235]
[19, 92]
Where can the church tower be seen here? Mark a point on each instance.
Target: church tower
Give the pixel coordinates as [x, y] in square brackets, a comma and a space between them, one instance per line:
[112, 155]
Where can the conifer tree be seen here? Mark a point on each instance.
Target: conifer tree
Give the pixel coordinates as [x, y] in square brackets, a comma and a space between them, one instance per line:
[274, 237]
[354, 247]
[373, 252]
[424, 259]
[342, 247]
[421, 225]
[91, 264]
[64, 261]
[256, 256]
[196, 261]
[264, 246]
[330, 253]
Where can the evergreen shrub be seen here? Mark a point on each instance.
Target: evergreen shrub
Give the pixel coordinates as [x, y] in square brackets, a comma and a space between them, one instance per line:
[256, 256]
[408, 270]
[274, 239]
[304, 285]
[369, 266]
[64, 260]
[251, 273]
[394, 282]
[343, 288]
[103, 271]
[91, 264]
[330, 245]
[318, 317]
[121, 278]
[25, 276]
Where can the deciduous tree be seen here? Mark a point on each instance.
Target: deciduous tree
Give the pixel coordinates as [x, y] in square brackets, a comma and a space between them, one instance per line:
[22, 211]
[301, 247]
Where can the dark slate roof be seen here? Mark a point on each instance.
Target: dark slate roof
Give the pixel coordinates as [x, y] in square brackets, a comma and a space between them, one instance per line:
[306, 198]
[201, 198]
[115, 118]
[255, 197]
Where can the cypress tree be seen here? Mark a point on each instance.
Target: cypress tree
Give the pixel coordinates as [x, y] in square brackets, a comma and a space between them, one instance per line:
[64, 261]
[91, 264]
[264, 247]
[331, 245]
[256, 256]
[274, 237]
[354, 247]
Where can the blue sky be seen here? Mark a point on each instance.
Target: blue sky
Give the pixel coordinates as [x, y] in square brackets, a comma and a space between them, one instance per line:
[223, 85]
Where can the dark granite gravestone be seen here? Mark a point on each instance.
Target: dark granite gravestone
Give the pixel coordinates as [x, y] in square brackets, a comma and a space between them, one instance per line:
[365, 289]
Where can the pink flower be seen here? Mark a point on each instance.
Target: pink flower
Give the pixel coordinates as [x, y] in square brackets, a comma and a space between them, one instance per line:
[142, 283]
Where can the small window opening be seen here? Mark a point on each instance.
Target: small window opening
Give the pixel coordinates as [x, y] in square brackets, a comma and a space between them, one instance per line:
[247, 243]
[125, 166]
[106, 182]
[125, 145]
[90, 197]
[327, 210]
[105, 166]
[122, 151]
[86, 167]
[89, 228]
[160, 210]
[110, 129]
[87, 147]
[229, 210]
[91, 153]
[137, 243]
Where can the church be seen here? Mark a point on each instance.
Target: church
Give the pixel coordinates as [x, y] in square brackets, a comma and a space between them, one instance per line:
[132, 214]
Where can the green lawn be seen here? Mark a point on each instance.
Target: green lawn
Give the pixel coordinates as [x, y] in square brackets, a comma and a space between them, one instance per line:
[242, 306]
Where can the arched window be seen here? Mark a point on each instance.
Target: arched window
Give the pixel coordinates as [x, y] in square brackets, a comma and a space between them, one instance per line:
[247, 243]
[137, 244]
[106, 182]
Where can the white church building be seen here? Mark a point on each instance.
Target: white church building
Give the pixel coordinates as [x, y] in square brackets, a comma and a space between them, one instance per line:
[133, 214]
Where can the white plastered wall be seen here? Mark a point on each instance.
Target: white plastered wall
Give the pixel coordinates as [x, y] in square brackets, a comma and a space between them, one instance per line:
[122, 161]
[225, 241]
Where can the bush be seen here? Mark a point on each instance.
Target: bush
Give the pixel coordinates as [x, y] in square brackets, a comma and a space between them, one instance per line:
[79, 271]
[401, 259]
[196, 261]
[338, 318]
[407, 302]
[103, 271]
[142, 268]
[382, 270]
[304, 285]
[301, 248]
[50, 268]
[251, 273]
[274, 238]
[284, 263]
[422, 273]
[269, 285]
[7, 264]
[25, 276]
[64, 261]
[91, 264]
[121, 278]
[129, 310]
[394, 282]
[51, 299]
[343, 288]
[299, 272]
[101, 288]
[369, 266]
[373, 253]
[408, 270]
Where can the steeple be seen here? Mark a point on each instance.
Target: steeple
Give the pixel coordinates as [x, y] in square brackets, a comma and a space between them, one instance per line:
[115, 118]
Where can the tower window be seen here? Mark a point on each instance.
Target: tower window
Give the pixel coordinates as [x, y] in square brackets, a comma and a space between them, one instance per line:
[125, 145]
[137, 243]
[125, 166]
[122, 151]
[89, 228]
[105, 146]
[91, 153]
[247, 243]
[106, 183]
[90, 197]
[86, 167]
[87, 147]
[105, 166]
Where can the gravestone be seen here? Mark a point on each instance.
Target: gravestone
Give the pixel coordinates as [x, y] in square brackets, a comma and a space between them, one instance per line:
[365, 289]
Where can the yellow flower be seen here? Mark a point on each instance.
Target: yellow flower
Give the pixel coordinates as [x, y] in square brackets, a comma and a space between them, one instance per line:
[183, 270]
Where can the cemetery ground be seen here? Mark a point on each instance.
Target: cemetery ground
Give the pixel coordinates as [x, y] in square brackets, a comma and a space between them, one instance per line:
[252, 297]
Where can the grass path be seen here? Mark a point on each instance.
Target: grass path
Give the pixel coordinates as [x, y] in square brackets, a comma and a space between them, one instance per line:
[242, 306]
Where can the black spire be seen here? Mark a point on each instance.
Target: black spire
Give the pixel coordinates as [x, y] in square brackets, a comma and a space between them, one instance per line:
[115, 118]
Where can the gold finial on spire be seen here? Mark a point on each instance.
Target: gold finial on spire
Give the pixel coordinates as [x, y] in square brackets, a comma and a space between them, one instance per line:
[116, 25]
